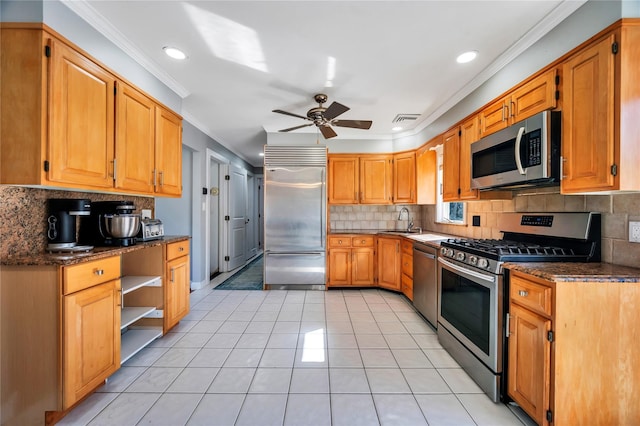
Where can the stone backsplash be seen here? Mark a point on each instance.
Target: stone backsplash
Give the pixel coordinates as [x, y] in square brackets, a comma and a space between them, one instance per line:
[23, 216]
[617, 210]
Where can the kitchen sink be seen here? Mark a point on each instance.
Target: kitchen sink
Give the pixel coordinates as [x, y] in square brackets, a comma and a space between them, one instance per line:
[401, 232]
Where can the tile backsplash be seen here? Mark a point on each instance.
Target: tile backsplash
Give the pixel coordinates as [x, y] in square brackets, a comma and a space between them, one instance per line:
[23, 216]
[617, 210]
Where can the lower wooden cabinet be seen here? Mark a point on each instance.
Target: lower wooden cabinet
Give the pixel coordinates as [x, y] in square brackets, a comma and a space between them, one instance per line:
[91, 339]
[351, 261]
[407, 269]
[177, 287]
[389, 271]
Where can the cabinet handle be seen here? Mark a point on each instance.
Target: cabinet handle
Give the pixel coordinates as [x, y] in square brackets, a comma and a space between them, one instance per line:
[523, 293]
[121, 298]
[362, 242]
[339, 242]
[180, 248]
[507, 332]
[115, 168]
[503, 107]
[161, 178]
[511, 108]
[154, 178]
[99, 271]
[172, 275]
[562, 160]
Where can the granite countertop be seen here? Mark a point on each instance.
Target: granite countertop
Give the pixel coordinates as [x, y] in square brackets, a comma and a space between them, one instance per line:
[62, 259]
[565, 271]
[425, 237]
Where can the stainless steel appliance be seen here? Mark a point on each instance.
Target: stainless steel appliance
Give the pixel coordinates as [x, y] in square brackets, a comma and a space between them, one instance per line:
[111, 223]
[61, 223]
[522, 155]
[425, 282]
[295, 216]
[150, 229]
[473, 289]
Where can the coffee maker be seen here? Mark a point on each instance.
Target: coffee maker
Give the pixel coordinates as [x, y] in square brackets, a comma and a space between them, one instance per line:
[111, 223]
[61, 223]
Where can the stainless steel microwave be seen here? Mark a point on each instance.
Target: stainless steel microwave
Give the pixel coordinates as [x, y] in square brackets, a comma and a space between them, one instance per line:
[524, 154]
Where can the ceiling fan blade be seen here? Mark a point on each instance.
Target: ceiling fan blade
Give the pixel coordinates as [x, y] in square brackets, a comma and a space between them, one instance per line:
[327, 131]
[334, 110]
[297, 127]
[279, 111]
[356, 124]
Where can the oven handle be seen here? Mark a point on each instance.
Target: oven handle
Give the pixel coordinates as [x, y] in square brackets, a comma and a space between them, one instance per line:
[517, 153]
[478, 275]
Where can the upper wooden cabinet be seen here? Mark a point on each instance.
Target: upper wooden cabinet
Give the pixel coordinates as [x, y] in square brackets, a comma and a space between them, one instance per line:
[600, 125]
[427, 172]
[73, 123]
[533, 96]
[376, 179]
[404, 177]
[456, 161]
[343, 179]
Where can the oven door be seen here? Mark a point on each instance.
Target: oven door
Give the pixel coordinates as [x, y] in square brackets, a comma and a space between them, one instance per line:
[471, 310]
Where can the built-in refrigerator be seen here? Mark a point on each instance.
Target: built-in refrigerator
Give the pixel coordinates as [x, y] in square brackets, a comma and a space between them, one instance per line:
[295, 217]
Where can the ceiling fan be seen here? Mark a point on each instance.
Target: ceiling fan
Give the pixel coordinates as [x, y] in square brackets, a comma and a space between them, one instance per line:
[324, 118]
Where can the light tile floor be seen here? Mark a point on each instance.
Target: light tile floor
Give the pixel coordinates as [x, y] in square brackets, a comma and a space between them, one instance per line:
[340, 357]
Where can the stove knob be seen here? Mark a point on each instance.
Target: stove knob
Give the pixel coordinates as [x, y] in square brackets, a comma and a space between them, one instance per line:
[449, 252]
[473, 260]
[460, 256]
[483, 263]
[443, 251]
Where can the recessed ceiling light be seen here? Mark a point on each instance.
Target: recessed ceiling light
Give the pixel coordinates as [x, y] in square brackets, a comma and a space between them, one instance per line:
[396, 128]
[174, 52]
[467, 57]
[261, 154]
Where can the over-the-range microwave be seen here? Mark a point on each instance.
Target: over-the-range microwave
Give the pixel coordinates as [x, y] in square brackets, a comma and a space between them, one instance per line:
[523, 155]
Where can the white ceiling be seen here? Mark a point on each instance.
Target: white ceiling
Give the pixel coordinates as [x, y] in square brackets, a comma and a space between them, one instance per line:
[246, 58]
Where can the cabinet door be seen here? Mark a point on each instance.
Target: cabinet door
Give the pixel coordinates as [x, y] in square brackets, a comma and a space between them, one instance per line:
[529, 362]
[494, 117]
[426, 176]
[469, 134]
[135, 140]
[588, 139]
[362, 266]
[168, 156]
[177, 291]
[376, 179]
[407, 286]
[343, 181]
[91, 339]
[404, 178]
[339, 266]
[81, 120]
[533, 97]
[389, 263]
[450, 165]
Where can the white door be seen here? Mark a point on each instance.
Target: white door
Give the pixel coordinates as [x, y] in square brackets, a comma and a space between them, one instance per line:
[214, 217]
[252, 245]
[237, 216]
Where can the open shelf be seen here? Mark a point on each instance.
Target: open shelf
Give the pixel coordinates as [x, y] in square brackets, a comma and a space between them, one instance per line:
[132, 314]
[134, 282]
[135, 339]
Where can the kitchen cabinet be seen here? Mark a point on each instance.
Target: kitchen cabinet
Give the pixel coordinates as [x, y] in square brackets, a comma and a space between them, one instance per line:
[351, 260]
[407, 268]
[343, 179]
[75, 124]
[178, 284]
[600, 123]
[531, 97]
[404, 177]
[427, 172]
[457, 161]
[572, 350]
[389, 258]
[376, 179]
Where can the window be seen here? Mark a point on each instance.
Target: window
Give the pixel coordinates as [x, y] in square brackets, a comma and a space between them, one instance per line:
[451, 212]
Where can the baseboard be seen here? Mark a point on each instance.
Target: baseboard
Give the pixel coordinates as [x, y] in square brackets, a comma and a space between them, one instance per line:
[198, 285]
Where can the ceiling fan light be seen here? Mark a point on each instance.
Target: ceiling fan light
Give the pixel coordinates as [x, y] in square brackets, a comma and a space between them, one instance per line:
[465, 57]
[174, 52]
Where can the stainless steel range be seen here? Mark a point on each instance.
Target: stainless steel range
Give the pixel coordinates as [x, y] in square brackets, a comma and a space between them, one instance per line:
[473, 287]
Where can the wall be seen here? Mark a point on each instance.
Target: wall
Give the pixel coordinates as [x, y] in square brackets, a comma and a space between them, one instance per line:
[23, 215]
[372, 217]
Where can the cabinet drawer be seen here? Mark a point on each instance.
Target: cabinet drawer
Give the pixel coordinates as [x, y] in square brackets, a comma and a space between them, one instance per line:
[339, 241]
[407, 286]
[85, 275]
[407, 247]
[407, 264]
[362, 241]
[532, 295]
[178, 249]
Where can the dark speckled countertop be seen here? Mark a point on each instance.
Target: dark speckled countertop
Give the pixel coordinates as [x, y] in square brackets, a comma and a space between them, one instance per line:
[561, 271]
[47, 259]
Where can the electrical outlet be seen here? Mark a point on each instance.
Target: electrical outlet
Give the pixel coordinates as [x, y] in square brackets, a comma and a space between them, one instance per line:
[634, 232]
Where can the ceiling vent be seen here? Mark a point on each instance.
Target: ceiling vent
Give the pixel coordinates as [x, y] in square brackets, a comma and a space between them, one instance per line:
[405, 117]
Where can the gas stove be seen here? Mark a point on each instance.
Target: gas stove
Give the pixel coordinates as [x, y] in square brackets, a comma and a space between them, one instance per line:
[531, 237]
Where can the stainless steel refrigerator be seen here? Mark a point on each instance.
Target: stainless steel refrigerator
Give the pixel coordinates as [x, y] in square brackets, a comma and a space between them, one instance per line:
[295, 217]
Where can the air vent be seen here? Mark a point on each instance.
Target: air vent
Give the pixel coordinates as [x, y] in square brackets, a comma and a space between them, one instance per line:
[405, 117]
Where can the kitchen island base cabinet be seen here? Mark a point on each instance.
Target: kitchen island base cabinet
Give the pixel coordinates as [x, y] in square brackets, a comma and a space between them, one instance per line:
[573, 350]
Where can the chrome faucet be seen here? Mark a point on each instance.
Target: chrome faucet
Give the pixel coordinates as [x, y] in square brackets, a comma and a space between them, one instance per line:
[402, 210]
